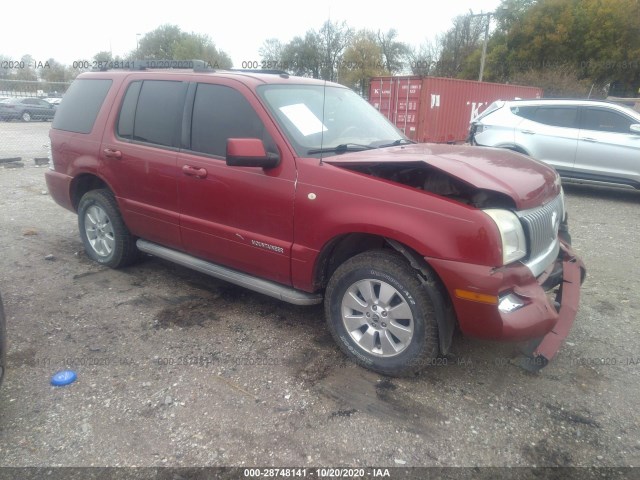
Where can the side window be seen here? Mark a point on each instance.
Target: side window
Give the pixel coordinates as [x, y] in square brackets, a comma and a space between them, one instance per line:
[524, 112]
[219, 113]
[605, 121]
[557, 116]
[158, 114]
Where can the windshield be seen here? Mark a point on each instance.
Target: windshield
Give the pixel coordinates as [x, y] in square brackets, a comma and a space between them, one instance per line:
[316, 117]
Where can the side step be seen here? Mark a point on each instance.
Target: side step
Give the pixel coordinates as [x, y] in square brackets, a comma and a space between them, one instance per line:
[259, 285]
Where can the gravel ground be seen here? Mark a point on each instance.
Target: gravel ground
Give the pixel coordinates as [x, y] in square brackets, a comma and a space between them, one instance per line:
[178, 369]
[24, 140]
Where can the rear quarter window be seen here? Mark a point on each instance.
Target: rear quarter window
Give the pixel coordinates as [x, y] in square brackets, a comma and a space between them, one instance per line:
[81, 105]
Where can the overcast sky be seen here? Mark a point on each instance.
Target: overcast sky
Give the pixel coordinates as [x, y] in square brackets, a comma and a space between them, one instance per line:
[74, 30]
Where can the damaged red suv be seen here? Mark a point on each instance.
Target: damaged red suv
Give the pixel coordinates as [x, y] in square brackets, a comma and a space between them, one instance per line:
[299, 189]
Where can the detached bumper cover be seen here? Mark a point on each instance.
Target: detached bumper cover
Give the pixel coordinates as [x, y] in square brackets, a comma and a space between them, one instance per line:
[539, 322]
[573, 274]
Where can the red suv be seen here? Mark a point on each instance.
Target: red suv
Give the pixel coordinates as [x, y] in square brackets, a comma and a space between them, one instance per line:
[299, 189]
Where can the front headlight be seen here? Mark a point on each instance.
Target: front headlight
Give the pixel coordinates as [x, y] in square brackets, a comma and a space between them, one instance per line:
[514, 243]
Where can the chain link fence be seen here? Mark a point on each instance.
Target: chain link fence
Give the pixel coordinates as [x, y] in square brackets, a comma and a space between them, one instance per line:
[26, 111]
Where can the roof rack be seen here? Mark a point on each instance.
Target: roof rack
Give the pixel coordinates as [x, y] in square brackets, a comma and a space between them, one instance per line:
[282, 73]
[195, 65]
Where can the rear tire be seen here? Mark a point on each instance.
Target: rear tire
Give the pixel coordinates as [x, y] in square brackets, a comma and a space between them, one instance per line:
[381, 315]
[26, 117]
[105, 237]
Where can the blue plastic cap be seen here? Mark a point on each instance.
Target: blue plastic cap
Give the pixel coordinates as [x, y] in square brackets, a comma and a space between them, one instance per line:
[65, 377]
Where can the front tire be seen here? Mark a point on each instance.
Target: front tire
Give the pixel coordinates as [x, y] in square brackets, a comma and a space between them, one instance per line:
[26, 117]
[381, 314]
[105, 237]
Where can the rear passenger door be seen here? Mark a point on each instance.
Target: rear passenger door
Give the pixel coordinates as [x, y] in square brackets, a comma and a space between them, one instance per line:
[241, 217]
[550, 134]
[139, 156]
[607, 148]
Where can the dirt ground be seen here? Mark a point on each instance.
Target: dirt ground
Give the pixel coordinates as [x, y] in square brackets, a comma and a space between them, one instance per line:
[178, 369]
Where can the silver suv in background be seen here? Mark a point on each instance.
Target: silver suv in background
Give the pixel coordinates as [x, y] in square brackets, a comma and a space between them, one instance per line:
[584, 140]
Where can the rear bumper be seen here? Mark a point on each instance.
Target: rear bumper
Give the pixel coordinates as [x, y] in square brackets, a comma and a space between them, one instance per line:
[538, 319]
[59, 186]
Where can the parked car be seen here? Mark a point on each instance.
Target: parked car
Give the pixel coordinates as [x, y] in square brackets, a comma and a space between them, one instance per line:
[584, 140]
[26, 109]
[53, 100]
[299, 189]
[3, 342]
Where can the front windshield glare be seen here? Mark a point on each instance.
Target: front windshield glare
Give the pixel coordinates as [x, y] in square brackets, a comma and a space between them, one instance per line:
[317, 117]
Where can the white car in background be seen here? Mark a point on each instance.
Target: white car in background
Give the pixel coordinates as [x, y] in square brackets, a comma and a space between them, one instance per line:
[53, 100]
[587, 141]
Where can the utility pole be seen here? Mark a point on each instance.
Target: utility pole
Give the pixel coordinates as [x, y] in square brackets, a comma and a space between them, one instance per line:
[486, 39]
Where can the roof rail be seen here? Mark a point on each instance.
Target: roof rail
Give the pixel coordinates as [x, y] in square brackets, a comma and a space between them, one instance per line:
[195, 65]
[282, 73]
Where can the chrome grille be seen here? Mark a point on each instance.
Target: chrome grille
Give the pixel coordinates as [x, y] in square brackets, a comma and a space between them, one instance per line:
[541, 228]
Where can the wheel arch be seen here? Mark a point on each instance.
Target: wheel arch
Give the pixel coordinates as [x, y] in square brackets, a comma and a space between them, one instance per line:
[83, 183]
[106, 238]
[343, 247]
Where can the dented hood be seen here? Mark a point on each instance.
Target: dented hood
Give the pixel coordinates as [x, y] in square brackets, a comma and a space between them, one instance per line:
[528, 182]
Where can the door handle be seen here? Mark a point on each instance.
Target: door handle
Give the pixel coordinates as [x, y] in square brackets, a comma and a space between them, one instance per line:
[111, 153]
[194, 171]
[589, 139]
[528, 132]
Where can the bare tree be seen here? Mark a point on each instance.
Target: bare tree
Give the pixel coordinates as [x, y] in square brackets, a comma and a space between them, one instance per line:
[271, 51]
[303, 56]
[394, 52]
[424, 59]
[334, 38]
[458, 43]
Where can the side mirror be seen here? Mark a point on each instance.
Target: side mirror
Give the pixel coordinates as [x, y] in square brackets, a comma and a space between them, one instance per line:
[249, 152]
[635, 128]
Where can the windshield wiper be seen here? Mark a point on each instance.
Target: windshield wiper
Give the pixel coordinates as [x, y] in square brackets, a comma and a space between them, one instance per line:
[342, 148]
[400, 141]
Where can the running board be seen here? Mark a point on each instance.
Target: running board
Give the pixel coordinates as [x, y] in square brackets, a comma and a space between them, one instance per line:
[256, 284]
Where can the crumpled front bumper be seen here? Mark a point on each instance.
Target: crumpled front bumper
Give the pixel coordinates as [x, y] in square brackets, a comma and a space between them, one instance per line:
[540, 323]
[538, 353]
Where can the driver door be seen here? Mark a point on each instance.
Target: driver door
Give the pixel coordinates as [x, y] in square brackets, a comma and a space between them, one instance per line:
[241, 217]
